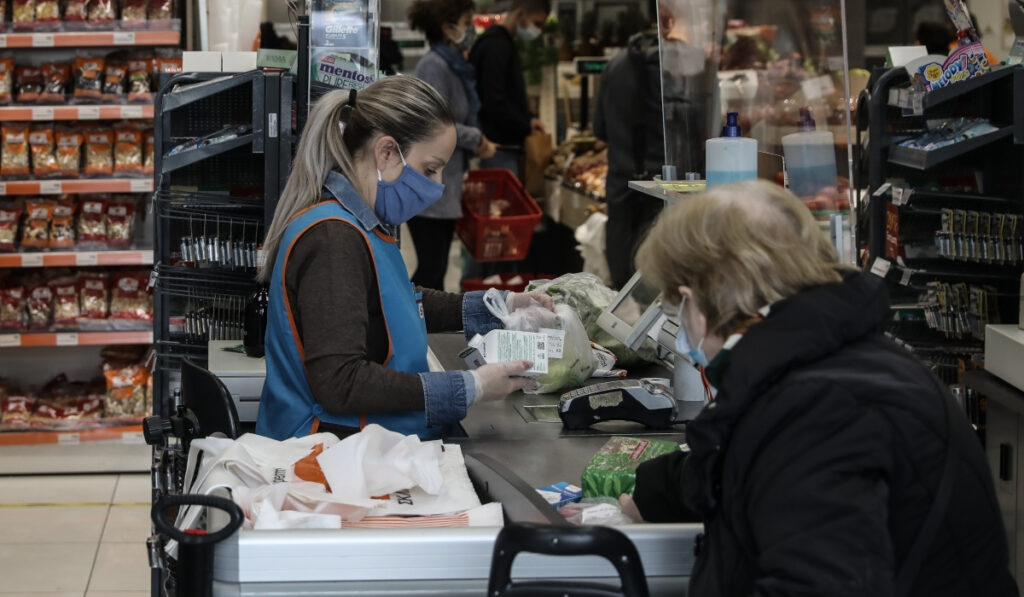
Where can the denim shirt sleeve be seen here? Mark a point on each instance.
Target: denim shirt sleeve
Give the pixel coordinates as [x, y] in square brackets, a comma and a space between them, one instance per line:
[476, 319]
[447, 396]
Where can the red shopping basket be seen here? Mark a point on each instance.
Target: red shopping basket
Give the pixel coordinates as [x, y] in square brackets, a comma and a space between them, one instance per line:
[470, 284]
[498, 216]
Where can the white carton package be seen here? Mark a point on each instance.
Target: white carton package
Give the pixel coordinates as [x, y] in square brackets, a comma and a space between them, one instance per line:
[502, 346]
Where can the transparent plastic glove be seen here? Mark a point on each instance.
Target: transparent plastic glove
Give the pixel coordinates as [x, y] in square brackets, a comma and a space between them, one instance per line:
[629, 508]
[519, 300]
[496, 381]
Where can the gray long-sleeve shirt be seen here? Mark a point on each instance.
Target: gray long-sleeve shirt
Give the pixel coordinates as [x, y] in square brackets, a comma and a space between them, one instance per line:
[436, 72]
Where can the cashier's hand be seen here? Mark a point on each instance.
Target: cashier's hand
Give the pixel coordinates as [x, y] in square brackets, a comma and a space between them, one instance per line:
[536, 126]
[629, 508]
[518, 300]
[497, 380]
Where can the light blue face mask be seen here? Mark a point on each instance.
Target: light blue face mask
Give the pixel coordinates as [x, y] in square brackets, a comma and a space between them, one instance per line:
[683, 345]
[411, 193]
[528, 33]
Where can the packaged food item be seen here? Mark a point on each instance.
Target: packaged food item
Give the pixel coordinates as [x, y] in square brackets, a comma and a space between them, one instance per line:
[10, 214]
[29, 81]
[139, 90]
[44, 158]
[133, 14]
[12, 308]
[113, 82]
[62, 227]
[35, 232]
[167, 65]
[23, 15]
[67, 412]
[99, 159]
[120, 215]
[89, 79]
[101, 14]
[127, 150]
[6, 80]
[39, 305]
[149, 161]
[47, 15]
[94, 294]
[55, 83]
[612, 471]
[65, 301]
[126, 391]
[75, 13]
[161, 10]
[92, 222]
[129, 298]
[18, 409]
[15, 160]
[69, 152]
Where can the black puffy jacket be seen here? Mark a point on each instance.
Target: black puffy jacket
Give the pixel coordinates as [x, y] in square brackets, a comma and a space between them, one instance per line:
[815, 467]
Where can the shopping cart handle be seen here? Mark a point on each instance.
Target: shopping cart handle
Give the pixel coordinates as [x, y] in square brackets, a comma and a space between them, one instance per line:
[183, 536]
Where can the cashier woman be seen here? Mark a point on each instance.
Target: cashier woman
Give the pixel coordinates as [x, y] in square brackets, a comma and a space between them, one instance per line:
[346, 341]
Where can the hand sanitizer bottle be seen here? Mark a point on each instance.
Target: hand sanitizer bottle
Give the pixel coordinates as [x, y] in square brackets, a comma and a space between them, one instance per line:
[810, 158]
[730, 158]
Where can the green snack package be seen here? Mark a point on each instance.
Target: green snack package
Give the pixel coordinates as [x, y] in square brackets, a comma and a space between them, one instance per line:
[612, 471]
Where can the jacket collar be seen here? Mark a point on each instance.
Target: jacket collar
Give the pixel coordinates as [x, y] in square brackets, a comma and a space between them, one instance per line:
[342, 190]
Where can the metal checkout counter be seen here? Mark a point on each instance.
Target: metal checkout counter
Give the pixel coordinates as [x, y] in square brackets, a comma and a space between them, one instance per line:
[512, 447]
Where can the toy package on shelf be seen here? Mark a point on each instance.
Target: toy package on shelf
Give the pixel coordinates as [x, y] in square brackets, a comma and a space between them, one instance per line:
[967, 61]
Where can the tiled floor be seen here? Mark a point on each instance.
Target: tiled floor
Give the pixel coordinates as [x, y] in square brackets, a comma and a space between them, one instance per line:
[74, 535]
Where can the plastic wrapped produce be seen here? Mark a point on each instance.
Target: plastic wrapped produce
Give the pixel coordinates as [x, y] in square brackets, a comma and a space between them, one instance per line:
[612, 471]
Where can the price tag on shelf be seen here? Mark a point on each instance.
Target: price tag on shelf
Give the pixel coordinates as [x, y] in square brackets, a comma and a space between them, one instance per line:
[42, 113]
[67, 339]
[917, 103]
[42, 40]
[124, 38]
[32, 260]
[7, 340]
[89, 113]
[68, 439]
[132, 437]
[49, 187]
[86, 259]
[880, 267]
[3, 188]
[3, 40]
[131, 112]
[900, 195]
[905, 278]
[141, 185]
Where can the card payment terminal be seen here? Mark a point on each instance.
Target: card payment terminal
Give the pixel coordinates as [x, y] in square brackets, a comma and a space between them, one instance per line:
[648, 401]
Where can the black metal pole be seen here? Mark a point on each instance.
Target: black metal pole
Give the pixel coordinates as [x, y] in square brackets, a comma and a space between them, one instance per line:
[302, 88]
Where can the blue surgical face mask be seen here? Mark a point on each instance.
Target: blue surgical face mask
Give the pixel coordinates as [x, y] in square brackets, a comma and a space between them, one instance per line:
[528, 33]
[411, 193]
[683, 344]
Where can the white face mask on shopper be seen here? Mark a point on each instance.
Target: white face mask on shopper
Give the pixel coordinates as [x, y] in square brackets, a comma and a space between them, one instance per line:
[528, 33]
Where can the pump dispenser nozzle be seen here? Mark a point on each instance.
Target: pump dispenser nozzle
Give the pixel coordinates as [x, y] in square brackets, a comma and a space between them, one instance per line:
[732, 125]
[806, 122]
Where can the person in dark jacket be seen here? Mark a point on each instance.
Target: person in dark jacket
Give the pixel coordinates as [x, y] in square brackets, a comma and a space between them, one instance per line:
[820, 469]
[505, 116]
[636, 147]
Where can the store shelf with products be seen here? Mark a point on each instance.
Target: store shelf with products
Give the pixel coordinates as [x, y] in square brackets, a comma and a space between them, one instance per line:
[76, 186]
[75, 113]
[94, 39]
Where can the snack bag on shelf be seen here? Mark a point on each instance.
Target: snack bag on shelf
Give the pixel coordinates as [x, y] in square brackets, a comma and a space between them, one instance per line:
[89, 77]
[92, 222]
[44, 158]
[127, 150]
[133, 14]
[29, 81]
[120, 215]
[139, 88]
[149, 161]
[6, 81]
[166, 64]
[56, 78]
[69, 152]
[69, 412]
[62, 227]
[114, 79]
[17, 410]
[35, 232]
[12, 308]
[75, 14]
[39, 305]
[129, 297]
[94, 295]
[101, 14]
[10, 215]
[99, 158]
[47, 15]
[160, 13]
[126, 396]
[65, 301]
[23, 15]
[14, 161]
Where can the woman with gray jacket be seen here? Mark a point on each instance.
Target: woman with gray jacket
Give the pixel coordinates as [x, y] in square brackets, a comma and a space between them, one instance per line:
[448, 27]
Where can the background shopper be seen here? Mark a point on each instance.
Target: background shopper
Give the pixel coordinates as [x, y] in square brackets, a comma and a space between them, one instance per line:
[448, 27]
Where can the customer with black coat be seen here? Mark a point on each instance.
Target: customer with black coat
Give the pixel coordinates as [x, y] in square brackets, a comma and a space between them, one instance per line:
[831, 462]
